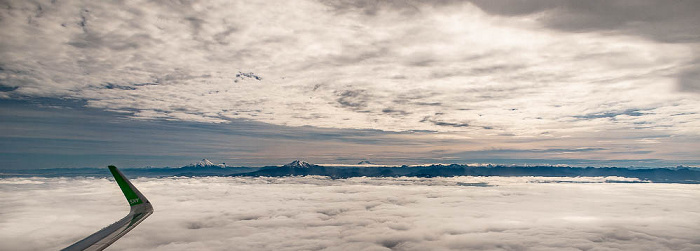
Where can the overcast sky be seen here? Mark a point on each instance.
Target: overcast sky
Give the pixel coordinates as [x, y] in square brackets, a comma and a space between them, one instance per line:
[136, 83]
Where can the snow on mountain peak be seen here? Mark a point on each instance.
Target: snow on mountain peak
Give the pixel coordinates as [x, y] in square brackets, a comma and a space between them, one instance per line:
[298, 164]
[205, 163]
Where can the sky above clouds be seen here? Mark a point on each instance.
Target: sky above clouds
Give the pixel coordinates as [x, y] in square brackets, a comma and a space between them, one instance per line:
[317, 213]
[588, 83]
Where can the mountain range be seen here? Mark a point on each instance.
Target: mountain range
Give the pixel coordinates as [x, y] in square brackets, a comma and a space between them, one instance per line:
[302, 168]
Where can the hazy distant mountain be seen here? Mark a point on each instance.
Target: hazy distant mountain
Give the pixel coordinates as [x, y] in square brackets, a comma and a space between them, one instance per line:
[365, 162]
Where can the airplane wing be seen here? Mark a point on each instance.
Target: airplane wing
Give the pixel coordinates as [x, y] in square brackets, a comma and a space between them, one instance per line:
[140, 209]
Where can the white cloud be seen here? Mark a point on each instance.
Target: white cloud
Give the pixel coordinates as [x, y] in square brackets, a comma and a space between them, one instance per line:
[444, 68]
[316, 213]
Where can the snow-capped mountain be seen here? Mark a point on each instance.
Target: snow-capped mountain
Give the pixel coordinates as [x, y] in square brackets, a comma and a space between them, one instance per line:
[299, 164]
[205, 163]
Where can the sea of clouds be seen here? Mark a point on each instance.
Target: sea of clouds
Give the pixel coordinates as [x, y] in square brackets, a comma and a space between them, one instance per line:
[318, 213]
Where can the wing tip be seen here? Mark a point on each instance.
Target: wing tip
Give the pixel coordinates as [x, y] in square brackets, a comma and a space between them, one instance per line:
[133, 195]
[140, 209]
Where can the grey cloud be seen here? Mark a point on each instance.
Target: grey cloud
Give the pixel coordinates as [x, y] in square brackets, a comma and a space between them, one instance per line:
[510, 69]
[196, 24]
[422, 60]
[116, 43]
[583, 149]
[451, 124]
[666, 21]
[496, 68]
[674, 21]
[395, 111]
[429, 103]
[444, 123]
[669, 22]
[178, 75]
[222, 37]
[121, 87]
[316, 213]
[4, 88]
[689, 80]
[355, 55]
[612, 115]
[371, 7]
[549, 150]
[353, 99]
[416, 96]
[634, 152]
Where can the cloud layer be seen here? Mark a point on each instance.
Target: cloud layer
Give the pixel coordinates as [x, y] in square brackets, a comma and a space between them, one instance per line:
[448, 67]
[312, 213]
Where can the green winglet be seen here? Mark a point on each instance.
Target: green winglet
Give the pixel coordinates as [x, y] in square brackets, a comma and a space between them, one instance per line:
[128, 191]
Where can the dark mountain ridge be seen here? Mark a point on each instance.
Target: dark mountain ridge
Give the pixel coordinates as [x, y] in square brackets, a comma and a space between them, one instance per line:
[665, 175]
[301, 168]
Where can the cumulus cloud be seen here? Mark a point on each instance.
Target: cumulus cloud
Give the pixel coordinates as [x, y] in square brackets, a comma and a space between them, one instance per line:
[317, 213]
[449, 67]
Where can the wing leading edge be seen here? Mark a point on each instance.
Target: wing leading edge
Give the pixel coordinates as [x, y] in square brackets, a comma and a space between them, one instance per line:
[140, 209]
